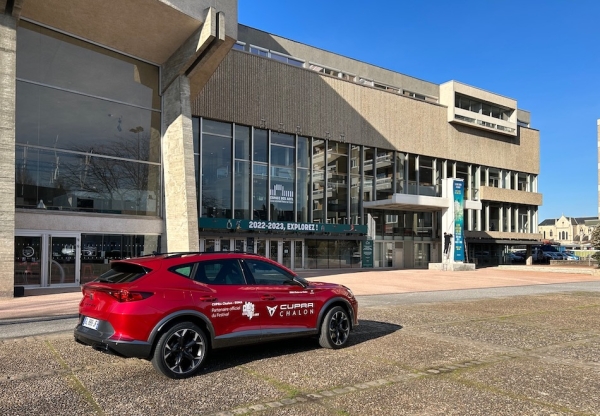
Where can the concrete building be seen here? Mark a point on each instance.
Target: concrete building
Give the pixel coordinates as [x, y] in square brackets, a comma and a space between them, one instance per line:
[164, 125]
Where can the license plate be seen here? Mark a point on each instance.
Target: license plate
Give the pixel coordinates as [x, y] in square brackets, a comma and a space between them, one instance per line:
[90, 322]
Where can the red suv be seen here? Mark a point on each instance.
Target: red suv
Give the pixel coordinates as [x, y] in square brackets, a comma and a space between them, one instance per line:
[173, 308]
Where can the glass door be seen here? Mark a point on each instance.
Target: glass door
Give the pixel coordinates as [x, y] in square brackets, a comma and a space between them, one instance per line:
[422, 253]
[28, 260]
[286, 255]
[63, 260]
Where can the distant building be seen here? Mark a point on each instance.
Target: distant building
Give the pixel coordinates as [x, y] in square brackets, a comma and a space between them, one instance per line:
[568, 230]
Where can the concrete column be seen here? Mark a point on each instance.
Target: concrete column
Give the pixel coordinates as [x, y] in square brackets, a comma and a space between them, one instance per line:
[181, 213]
[8, 71]
[487, 217]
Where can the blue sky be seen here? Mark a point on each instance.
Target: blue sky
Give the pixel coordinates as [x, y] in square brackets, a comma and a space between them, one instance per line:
[545, 54]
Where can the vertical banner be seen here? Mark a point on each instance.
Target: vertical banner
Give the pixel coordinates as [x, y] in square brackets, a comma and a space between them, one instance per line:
[367, 253]
[459, 204]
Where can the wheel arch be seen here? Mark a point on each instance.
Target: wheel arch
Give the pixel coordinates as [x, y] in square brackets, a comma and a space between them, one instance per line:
[332, 303]
[182, 316]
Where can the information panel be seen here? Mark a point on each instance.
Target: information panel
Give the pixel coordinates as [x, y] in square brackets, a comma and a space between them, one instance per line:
[279, 226]
[459, 246]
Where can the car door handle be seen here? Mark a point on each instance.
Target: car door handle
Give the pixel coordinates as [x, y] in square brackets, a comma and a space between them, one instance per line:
[267, 297]
[207, 298]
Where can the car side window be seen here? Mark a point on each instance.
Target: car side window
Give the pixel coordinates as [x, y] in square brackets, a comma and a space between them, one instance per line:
[268, 274]
[220, 272]
[184, 269]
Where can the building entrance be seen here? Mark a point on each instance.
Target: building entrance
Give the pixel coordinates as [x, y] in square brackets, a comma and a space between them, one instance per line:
[44, 259]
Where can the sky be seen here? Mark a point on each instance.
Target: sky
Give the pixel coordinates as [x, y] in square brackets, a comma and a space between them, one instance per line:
[543, 53]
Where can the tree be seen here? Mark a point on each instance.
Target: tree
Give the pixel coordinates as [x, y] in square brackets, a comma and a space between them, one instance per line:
[595, 240]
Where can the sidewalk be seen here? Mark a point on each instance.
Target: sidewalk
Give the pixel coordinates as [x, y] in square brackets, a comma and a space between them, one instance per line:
[362, 282]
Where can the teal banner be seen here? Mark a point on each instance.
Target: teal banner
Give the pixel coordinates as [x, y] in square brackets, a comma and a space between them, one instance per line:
[279, 226]
[459, 221]
[367, 254]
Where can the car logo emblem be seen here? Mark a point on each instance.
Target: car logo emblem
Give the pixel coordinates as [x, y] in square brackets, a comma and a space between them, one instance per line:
[272, 309]
[91, 296]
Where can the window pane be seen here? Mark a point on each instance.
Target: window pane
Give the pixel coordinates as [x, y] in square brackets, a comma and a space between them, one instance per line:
[261, 143]
[303, 186]
[303, 152]
[63, 120]
[216, 176]
[52, 58]
[66, 181]
[242, 142]
[216, 127]
[242, 190]
[282, 156]
[260, 192]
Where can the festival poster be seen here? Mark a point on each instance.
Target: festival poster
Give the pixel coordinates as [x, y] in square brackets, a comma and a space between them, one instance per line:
[459, 245]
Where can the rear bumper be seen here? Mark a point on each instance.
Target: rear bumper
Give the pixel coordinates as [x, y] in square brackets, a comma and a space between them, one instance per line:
[95, 339]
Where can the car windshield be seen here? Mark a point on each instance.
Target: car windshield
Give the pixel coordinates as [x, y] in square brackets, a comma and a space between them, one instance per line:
[123, 273]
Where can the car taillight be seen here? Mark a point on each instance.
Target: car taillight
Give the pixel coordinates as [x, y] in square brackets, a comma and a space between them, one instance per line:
[124, 295]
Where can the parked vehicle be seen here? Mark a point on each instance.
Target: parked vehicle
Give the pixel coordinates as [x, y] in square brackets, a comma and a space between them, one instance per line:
[570, 256]
[173, 309]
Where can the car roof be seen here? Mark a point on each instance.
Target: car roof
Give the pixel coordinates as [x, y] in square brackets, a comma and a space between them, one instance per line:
[155, 260]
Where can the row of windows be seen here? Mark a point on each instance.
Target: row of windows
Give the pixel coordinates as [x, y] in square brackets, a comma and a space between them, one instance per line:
[278, 56]
[480, 107]
[251, 173]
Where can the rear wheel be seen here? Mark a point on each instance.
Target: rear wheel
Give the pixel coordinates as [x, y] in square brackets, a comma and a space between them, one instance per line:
[180, 351]
[335, 328]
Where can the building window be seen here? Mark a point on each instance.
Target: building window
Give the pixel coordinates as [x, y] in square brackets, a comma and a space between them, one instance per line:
[87, 131]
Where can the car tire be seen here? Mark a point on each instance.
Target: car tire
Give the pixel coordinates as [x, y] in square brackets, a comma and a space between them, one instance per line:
[180, 351]
[335, 328]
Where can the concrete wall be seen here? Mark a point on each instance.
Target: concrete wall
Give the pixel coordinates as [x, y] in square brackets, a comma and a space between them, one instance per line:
[8, 62]
[490, 193]
[335, 61]
[248, 89]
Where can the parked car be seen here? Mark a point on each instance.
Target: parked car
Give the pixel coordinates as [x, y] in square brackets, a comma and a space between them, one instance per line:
[172, 309]
[570, 256]
[515, 258]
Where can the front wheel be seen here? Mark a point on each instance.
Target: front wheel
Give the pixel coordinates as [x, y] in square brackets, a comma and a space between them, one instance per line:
[335, 328]
[180, 351]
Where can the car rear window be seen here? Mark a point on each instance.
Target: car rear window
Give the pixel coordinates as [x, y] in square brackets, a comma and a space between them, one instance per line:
[123, 273]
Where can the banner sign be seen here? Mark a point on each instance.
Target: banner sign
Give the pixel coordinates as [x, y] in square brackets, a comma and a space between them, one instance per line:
[279, 226]
[459, 195]
[367, 253]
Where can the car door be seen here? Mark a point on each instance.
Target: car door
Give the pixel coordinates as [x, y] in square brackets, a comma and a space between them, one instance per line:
[286, 307]
[224, 296]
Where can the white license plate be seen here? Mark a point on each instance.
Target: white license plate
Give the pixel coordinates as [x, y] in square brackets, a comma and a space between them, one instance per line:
[90, 322]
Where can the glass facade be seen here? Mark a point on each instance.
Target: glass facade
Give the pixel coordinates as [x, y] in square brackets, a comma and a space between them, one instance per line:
[87, 132]
[87, 127]
[258, 175]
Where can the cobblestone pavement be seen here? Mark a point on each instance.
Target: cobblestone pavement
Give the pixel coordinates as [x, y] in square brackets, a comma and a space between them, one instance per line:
[516, 355]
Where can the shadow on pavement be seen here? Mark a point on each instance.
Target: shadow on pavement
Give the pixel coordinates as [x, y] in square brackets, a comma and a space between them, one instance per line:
[231, 357]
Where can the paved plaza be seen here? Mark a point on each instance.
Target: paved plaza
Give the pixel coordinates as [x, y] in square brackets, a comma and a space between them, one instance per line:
[534, 354]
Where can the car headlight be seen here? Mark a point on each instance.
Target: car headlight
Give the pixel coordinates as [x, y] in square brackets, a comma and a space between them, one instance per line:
[349, 291]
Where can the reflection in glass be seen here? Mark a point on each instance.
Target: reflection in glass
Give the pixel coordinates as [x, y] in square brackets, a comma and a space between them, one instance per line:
[52, 58]
[368, 169]
[63, 120]
[303, 152]
[385, 174]
[261, 146]
[216, 176]
[84, 182]
[260, 191]
[28, 252]
[318, 181]
[61, 264]
[242, 190]
[302, 195]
